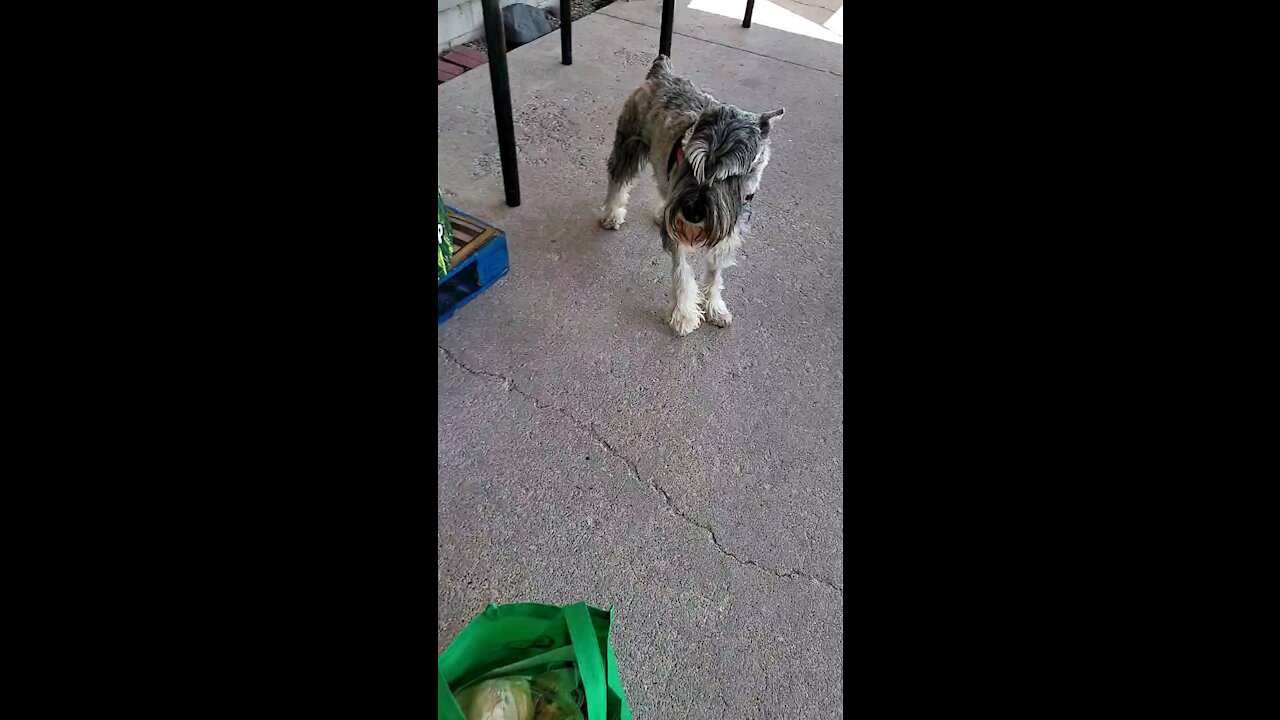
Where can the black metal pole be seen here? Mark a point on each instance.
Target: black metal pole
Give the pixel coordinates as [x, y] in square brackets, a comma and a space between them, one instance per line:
[495, 39]
[746, 19]
[668, 19]
[566, 32]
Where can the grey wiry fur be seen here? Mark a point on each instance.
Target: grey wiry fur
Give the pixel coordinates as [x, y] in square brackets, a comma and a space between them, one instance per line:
[725, 152]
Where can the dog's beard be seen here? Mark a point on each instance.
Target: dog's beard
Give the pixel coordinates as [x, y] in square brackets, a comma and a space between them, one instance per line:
[719, 205]
[690, 233]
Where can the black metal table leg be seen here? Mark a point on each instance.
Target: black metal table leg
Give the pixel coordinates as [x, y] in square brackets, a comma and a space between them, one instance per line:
[668, 19]
[566, 32]
[495, 39]
[746, 19]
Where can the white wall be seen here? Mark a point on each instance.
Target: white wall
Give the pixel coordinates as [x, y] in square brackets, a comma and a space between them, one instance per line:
[462, 21]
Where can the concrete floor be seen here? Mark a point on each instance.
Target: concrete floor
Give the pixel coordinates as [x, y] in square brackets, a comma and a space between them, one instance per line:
[585, 452]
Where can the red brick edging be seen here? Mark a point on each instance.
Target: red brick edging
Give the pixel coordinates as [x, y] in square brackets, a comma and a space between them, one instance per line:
[457, 61]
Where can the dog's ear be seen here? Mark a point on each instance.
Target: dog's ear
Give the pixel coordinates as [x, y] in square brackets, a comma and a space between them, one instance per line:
[767, 120]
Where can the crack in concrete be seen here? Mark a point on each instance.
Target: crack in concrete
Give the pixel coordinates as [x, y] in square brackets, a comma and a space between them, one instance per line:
[713, 42]
[820, 7]
[590, 429]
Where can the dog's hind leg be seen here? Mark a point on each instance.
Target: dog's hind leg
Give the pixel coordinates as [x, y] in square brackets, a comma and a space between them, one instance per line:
[628, 156]
[719, 259]
[624, 165]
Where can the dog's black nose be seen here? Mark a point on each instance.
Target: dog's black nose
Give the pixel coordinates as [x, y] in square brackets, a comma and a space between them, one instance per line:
[692, 212]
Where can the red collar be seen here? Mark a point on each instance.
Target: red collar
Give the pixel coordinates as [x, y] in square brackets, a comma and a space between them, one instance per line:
[675, 158]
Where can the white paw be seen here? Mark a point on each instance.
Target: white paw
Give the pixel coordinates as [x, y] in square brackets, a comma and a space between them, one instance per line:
[684, 320]
[657, 217]
[613, 219]
[718, 314]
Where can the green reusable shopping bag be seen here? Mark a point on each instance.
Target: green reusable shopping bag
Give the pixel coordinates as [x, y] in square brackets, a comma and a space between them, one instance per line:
[528, 638]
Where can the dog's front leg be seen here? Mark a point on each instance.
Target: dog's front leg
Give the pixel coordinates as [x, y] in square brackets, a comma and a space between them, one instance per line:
[720, 258]
[686, 302]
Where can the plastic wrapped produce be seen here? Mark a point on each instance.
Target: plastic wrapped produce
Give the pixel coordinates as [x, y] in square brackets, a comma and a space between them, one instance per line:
[506, 698]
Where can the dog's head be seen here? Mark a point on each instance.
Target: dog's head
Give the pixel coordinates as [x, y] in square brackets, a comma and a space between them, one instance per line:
[724, 155]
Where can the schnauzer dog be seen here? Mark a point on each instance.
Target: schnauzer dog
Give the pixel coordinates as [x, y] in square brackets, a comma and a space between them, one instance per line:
[707, 159]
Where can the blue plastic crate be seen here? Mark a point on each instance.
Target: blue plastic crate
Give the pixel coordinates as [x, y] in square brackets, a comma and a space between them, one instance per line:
[477, 272]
